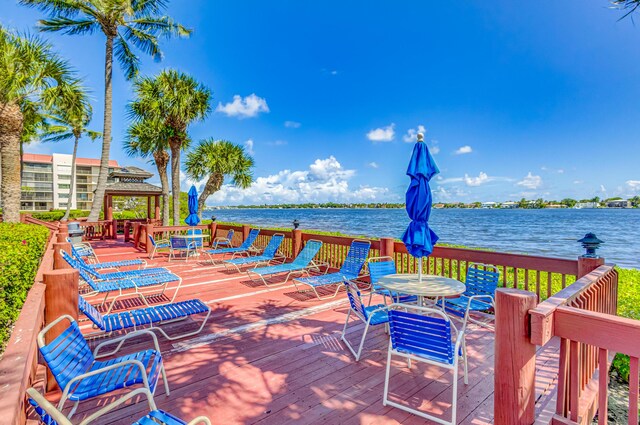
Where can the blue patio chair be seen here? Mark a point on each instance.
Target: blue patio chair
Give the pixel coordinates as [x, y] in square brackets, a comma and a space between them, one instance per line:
[425, 335]
[83, 250]
[181, 245]
[50, 415]
[378, 268]
[142, 286]
[224, 241]
[82, 376]
[481, 282]
[246, 248]
[127, 274]
[158, 245]
[108, 264]
[196, 241]
[302, 263]
[371, 316]
[269, 254]
[350, 270]
[152, 317]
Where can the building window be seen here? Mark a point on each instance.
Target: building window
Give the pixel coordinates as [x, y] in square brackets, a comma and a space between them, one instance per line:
[64, 186]
[64, 177]
[63, 195]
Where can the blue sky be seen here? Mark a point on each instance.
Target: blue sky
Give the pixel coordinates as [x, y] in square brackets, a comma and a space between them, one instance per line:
[518, 99]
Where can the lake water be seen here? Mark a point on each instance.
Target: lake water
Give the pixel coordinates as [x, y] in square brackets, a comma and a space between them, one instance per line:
[545, 232]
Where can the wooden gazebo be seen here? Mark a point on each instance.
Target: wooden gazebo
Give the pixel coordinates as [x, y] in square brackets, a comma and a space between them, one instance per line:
[130, 182]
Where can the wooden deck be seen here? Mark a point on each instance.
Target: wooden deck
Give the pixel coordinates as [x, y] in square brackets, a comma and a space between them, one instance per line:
[274, 356]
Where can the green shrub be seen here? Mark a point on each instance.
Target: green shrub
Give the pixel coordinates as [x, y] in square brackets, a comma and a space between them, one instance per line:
[21, 249]
[56, 215]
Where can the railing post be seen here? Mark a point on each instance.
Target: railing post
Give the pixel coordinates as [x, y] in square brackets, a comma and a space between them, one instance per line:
[58, 261]
[127, 229]
[586, 265]
[63, 227]
[515, 359]
[296, 242]
[60, 297]
[147, 244]
[387, 247]
[114, 228]
[212, 231]
[245, 231]
[62, 237]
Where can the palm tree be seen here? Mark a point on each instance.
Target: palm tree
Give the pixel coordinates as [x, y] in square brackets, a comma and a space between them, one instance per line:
[218, 159]
[124, 23]
[145, 139]
[32, 79]
[176, 100]
[69, 121]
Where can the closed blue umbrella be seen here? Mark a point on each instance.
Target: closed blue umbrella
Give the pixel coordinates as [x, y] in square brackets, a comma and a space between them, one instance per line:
[419, 238]
[192, 219]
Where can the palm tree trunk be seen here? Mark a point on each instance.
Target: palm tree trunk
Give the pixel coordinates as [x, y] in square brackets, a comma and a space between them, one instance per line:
[214, 183]
[65, 217]
[175, 146]
[161, 158]
[98, 195]
[11, 121]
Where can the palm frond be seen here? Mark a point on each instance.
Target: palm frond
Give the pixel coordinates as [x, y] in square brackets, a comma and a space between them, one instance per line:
[68, 26]
[128, 61]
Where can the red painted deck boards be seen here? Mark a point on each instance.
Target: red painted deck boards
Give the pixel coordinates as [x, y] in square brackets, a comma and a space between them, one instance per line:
[280, 359]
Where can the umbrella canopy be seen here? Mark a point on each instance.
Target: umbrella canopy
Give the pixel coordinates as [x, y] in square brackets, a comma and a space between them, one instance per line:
[192, 219]
[419, 238]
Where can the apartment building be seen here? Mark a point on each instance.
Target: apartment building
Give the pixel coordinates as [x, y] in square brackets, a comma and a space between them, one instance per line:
[46, 181]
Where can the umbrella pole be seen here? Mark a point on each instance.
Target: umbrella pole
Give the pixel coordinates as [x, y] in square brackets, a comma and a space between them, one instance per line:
[420, 270]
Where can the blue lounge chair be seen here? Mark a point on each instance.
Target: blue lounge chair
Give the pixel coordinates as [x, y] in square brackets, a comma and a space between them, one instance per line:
[425, 335]
[108, 264]
[372, 316]
[301, 264]
[224, 241]
[158, 244]
[245, 249]
[127, 274]
[49, 415]
[268, 255]
[350, 270]
[83, 250]
[150, 316]
[378, 268]
[481, 282]
[82, 376]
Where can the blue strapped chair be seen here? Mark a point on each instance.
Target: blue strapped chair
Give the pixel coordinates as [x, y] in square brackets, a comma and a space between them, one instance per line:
[371, 316]
[83, 250]
[50, 415]
[81, 376]
[481, 282]
[378, 268]
[119, 275]
[158, 245]
[268, 255]
[302, 263]
[350, 270]
[142, 286]
[108, 264]
[142, 317]
[425, 335]
[196, 241]
[181, 245]
[224, 241]
[245, 249]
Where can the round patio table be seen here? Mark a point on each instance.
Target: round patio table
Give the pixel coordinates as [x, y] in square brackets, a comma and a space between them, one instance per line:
[193, 236]
[430, 286]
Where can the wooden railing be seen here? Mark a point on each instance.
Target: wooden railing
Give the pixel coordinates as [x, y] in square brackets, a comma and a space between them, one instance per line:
[28, 219]
[94, 230]
[583, 317]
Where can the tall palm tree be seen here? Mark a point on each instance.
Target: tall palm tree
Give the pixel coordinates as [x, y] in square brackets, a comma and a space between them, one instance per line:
[217, 159]
[147, 139]
[68, 121]
[32, 79]
[176, 100]
[124, 23]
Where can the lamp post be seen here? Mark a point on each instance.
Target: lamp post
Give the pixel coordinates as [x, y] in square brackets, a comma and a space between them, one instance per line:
[590, 243]
[296, 223]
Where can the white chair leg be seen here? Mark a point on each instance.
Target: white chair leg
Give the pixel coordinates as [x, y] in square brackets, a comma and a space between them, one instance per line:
[364, 336]
[385, 395]
[464, 360]
[454, 398]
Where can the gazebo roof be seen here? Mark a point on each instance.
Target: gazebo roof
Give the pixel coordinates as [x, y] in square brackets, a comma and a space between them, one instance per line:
[132, 189]
[129, 172]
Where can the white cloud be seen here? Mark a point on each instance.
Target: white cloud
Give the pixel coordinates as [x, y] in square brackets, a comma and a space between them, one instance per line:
[325, 180]
[250, 106]
[248, 145]
[292, 124]
[476, 181]
[412, 134]
[373, 164]
[434, 148]
[383, 134]
[463, 150]
[530, 181]
[186, 182]
[277, 143]
[633, 184]
[603, 189]
[578, 181]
